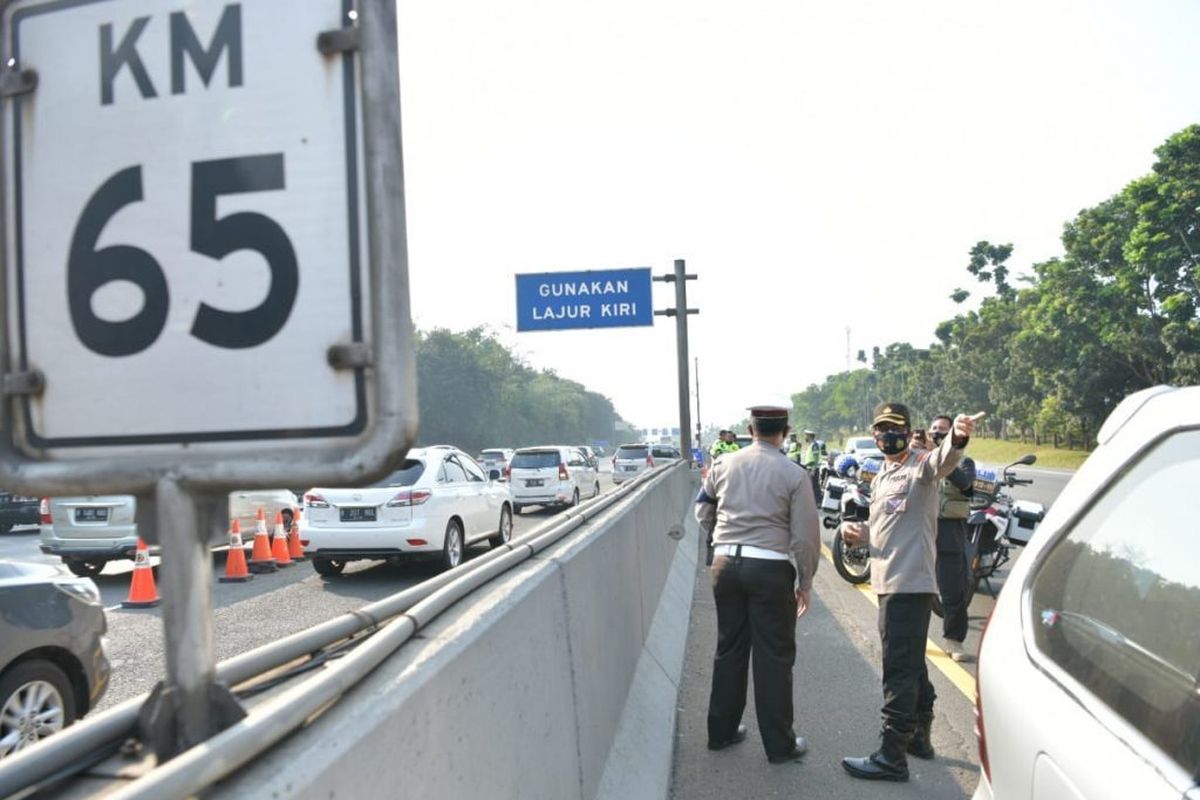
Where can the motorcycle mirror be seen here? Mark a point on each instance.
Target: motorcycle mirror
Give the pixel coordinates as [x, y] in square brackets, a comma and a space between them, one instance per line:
[1027, 459]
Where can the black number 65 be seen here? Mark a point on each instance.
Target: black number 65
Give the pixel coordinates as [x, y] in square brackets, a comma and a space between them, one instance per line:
[89, 268]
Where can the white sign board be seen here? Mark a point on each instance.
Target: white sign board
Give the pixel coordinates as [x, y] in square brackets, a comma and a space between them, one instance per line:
[185, 223]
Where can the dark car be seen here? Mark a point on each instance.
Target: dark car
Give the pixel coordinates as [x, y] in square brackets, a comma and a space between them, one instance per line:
[17, 510]
[53, 668]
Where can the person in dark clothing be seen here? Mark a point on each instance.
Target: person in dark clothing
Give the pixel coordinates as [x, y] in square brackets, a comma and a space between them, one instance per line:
[953, 563]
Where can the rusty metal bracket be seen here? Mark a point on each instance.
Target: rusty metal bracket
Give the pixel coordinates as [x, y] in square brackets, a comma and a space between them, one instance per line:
[339, 40]
[17, 81]
[32, 382]
[350, 356]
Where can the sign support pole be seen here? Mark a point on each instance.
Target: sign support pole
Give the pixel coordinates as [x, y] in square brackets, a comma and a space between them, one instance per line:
[190, 706]
[680, 312]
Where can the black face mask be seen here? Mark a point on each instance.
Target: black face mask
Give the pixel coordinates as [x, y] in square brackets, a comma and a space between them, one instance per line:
[892, 442]
[937, 437]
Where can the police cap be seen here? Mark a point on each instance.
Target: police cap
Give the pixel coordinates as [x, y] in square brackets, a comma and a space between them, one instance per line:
[768, 412]
[894, 413]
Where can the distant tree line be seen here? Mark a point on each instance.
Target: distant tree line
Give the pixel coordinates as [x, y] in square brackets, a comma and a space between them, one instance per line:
[475, 393]
[1052, 354]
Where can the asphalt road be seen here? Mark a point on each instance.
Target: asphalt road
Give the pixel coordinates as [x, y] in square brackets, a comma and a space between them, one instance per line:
[836, 695]
[245, 615]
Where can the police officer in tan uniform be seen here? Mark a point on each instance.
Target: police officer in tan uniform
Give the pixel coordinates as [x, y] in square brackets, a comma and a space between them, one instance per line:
[766, 541]
[902, 536]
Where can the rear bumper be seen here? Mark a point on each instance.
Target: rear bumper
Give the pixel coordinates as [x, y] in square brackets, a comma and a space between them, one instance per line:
[558, 494]
[345, 543]
[67, 550]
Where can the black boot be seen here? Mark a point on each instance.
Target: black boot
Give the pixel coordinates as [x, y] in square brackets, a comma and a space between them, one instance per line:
[919, 745]
[885, 764]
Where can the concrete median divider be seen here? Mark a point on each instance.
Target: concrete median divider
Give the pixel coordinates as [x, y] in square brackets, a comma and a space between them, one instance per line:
[558, 679]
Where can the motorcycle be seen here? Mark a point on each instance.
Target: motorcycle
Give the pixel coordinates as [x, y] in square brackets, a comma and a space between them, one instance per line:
[852, 562]
[998, 523]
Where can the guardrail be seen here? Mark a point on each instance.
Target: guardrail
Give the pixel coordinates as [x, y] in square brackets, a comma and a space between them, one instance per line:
[380, 628]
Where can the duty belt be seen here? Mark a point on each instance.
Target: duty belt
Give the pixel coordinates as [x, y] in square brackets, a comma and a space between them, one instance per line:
[748, 551]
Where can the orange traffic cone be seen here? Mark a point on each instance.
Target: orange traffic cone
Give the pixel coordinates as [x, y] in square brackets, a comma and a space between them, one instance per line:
[142, 593]
[279, 546]
[261, 559]
[295, 549]
[235, 559]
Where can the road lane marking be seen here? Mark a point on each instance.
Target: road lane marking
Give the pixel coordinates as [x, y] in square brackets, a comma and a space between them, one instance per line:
[963, 680]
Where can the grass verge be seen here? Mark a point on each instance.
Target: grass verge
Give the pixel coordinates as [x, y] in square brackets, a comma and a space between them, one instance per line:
[998, 451]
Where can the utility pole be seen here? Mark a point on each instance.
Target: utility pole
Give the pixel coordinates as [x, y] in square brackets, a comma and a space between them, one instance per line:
[680, 312]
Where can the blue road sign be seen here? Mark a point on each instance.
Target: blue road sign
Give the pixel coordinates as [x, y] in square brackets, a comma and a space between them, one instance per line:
[611, 298]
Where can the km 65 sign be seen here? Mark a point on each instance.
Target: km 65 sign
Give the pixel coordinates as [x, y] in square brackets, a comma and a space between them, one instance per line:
[186, 223]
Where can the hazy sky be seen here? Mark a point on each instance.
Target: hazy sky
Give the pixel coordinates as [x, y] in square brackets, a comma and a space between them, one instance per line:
[820, 165]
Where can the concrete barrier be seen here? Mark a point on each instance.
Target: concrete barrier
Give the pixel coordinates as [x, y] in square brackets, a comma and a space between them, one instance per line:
[557, 680]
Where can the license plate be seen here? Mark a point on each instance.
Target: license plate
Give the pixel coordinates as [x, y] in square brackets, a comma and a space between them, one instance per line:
[629, 469]
[91, 515]
[357, 514]
[536, 482]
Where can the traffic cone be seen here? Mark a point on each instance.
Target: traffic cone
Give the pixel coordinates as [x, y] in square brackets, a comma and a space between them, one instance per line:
[261, 559]
[295, 549]
[279, 545]
[235, 559]
[142, 593]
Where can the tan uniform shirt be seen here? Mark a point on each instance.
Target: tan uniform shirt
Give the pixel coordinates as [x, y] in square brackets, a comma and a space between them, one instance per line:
[757, 496]
[904, 507]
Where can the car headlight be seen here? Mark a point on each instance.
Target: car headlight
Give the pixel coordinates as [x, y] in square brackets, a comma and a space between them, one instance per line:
[84, 590]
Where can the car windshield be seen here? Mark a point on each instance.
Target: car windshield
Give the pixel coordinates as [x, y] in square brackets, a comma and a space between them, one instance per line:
[535, 459]
[491, 455]
[861, 444]
[633, 451]
[665, 452]
[408, 474]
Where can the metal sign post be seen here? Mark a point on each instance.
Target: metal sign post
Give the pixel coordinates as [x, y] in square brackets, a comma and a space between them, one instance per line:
[201, 208]
[680, 312]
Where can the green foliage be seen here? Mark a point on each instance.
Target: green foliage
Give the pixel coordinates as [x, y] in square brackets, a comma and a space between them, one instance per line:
[474, 393]
[1118, 312]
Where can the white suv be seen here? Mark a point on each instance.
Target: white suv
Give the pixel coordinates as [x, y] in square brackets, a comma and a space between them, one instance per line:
[555, 475]
[1088, 667]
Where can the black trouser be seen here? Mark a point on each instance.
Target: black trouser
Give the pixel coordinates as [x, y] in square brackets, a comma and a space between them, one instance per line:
[756, 611]
[903, 627]
[953, 574]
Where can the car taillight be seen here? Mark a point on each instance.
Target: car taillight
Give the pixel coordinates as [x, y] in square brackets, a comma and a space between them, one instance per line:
[409, 497]
[44, 512]
[315, 501]
[507, 472]
[563, 475]
[649, 461]
[980, 731]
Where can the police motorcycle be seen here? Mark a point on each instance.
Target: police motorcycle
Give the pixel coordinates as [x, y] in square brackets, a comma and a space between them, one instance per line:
[997, 522]
[851, 492]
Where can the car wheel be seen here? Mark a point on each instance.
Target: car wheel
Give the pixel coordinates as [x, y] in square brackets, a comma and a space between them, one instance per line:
[288, 516]
[36, 700]
[5, 529]
[85, 569]
[505, 532]
[517, 508]
[452, 545]
[328, 567]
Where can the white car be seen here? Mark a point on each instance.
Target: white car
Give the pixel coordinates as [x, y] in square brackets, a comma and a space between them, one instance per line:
[862, 447]
[629, 461]
[1088, 668]
[555, 475]
[89, 531]
[495, 458]
[437, 503]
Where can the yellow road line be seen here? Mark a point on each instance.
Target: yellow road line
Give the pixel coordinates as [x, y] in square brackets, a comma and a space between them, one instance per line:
[962, 679]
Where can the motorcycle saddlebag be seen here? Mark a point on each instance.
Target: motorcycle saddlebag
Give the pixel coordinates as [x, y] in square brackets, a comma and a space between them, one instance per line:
[831, 501]
[1023, 521]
